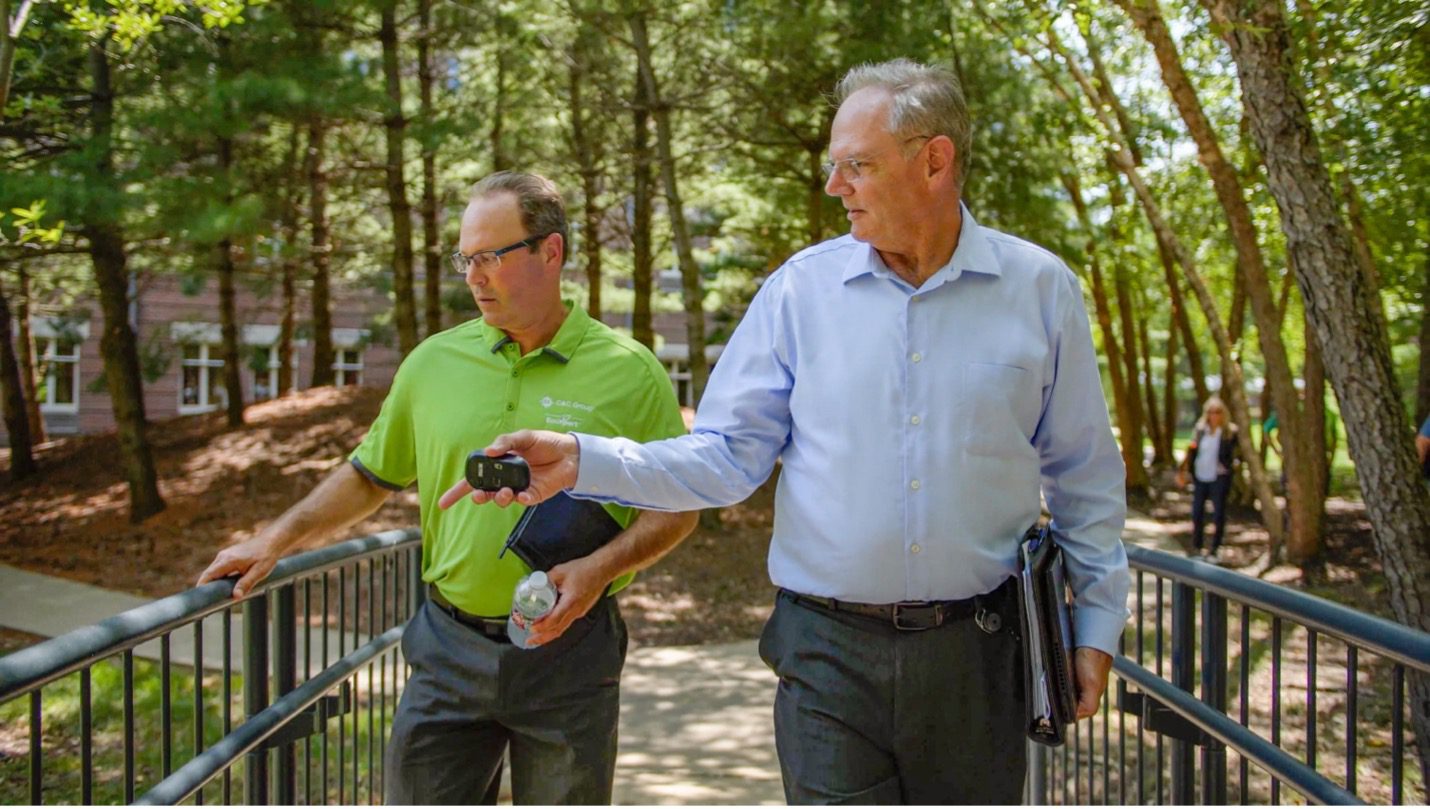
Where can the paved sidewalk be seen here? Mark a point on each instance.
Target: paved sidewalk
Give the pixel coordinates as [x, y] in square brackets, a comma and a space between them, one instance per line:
[50, 606]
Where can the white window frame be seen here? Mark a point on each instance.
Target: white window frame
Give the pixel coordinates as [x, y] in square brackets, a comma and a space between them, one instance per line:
[272, 373]
[49, 359]
[207, 365]
[679, 372]
[342, 369]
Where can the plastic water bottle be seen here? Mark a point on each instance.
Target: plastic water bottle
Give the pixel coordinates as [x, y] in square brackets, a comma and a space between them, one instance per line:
[535, 596]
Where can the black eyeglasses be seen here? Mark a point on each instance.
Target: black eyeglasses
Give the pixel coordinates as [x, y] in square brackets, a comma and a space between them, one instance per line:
[487, 260]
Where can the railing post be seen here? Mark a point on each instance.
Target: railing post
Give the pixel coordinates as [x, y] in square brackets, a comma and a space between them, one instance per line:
[1214, 694]
[1184, 649]
[1037, 774]
[285, 679]
[255, 694]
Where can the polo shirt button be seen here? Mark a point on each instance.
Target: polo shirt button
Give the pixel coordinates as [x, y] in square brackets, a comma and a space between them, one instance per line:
[915, 485]
[915, 549]
[515, 373]
[510, 406]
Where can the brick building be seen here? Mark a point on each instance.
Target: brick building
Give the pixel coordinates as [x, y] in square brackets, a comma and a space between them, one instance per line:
[178, 334]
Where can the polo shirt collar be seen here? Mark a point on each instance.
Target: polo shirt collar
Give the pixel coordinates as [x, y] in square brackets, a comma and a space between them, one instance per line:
[563, 344]
[973, 254]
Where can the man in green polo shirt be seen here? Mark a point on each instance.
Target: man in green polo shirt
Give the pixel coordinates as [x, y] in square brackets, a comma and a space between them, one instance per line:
[531, 360]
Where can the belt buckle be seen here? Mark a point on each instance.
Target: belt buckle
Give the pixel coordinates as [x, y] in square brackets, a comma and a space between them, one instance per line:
[914, 616]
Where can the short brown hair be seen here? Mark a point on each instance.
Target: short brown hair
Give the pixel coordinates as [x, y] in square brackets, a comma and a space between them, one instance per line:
[542, 210]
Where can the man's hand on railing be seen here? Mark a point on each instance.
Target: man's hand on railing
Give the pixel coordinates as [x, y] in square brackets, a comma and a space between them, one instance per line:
[1090, 668]
[553, 459]
[251, 560]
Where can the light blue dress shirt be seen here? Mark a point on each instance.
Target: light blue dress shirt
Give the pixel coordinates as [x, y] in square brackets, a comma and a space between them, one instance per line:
[916, 427]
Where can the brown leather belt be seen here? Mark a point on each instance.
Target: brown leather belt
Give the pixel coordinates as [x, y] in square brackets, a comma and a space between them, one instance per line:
[493, 628]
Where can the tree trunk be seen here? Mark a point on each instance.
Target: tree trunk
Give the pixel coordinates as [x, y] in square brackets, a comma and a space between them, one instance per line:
[431, 234]
[1343, 314]
[692, 291]
[1169, 394]
[814, 194]
[228, 328]
[644, 185]
[288, 269]
[577, 67]
[1153, 420]
[1183, 321]
[404, 314]
[1252, 285]
[1234, 383]
[503, 33]
[29, 381]
[1138, 483]
[323, 353]
[118, 344]
[22, 457]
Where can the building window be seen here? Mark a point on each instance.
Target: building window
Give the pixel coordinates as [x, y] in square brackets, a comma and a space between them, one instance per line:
[264, 365]
[59, 375]
[348, 366]
[679, 371]
[202, 382]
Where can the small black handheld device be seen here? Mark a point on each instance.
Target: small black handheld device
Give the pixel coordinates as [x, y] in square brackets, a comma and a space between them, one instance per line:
[488, 474]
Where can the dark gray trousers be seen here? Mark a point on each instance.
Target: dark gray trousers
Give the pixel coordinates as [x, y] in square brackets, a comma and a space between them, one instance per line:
[469, 697]
[868, 714]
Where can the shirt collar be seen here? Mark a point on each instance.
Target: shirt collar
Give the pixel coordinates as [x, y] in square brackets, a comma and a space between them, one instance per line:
[563, 344]
[973, 254]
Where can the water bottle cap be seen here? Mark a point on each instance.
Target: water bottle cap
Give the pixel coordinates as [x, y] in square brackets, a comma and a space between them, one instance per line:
[538, 579]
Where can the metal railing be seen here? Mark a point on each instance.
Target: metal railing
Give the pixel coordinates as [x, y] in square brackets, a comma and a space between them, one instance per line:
[1318, 691]
[282, 723]
[323, 631]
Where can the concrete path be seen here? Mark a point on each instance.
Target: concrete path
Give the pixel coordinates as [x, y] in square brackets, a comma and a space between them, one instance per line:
[49, 606]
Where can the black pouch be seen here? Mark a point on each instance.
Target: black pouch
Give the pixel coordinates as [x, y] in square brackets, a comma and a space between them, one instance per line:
[1048, 643]
[559, 530]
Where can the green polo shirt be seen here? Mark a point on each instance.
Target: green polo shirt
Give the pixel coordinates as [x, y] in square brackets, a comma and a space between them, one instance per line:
[462, 388]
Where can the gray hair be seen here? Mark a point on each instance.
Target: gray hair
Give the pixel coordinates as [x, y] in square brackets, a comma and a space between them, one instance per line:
[542, 210]
[927, 100]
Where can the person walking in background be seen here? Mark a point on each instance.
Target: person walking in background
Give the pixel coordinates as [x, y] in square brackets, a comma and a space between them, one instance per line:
[1209, 460]
[923, 379]
[530, 360]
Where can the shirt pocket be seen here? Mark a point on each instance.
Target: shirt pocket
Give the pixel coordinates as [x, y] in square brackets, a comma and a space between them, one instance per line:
[992, 400]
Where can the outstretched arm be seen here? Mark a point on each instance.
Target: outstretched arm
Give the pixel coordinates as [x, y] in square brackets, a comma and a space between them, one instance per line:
[340, 500]
[554, 459]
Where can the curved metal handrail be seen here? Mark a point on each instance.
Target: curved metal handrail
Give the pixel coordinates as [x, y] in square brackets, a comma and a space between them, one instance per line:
[1273, 759]
[203, 768]
[47, 661]
[1389, 639]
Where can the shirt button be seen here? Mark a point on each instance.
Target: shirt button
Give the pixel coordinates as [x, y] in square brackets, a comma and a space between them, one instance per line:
[915, 485]
[915, 549]
[917, 357]
[510, 407]
[915, 421]
[515, 373]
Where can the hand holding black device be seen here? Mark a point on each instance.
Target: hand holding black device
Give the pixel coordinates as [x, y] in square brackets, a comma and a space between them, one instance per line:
[488, 474]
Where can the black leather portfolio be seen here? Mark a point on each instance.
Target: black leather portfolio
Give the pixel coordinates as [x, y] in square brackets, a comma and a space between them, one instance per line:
[559, 530]
[1047, 637]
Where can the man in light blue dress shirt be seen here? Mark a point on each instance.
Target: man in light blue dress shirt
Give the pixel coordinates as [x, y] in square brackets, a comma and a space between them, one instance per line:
[923, 380]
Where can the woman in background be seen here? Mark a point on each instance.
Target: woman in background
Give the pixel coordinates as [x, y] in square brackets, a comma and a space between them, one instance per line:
[1209, 461]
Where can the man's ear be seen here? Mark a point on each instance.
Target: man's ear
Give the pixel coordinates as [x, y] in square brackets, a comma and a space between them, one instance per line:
[553, 249]
[941, 156]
